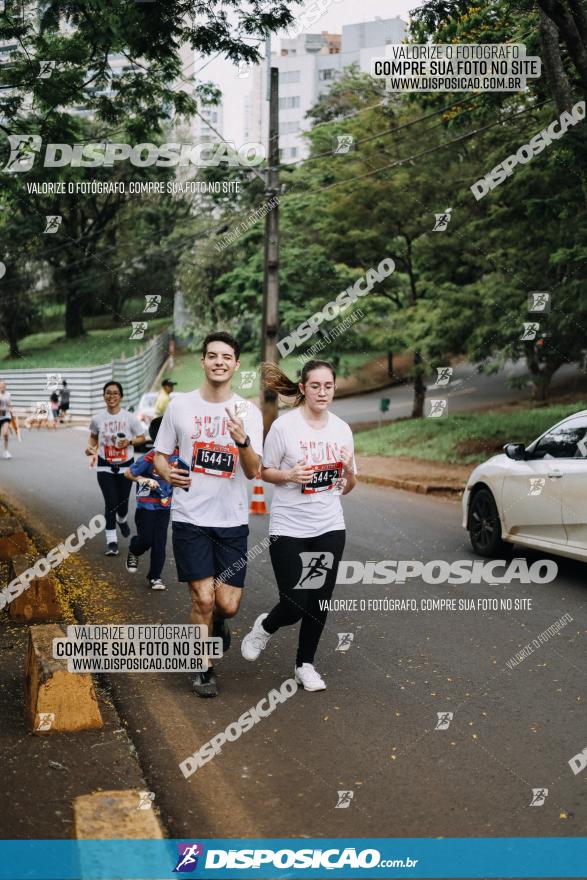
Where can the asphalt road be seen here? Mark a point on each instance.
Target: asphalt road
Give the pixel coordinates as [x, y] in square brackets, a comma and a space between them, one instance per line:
[373, 731]
[467, 389]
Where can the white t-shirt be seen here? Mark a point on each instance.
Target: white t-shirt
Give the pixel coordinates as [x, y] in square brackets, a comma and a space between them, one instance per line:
[292, 440]
[107, 426]
[5, 403]
[218, 495]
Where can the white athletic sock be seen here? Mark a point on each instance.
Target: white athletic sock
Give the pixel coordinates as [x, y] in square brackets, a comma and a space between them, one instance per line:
[111, 536]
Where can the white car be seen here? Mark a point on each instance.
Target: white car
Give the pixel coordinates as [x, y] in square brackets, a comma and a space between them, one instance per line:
[535, 496]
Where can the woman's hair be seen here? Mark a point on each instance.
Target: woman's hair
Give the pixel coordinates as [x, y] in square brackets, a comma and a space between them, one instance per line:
[274, 379]
[108, 384]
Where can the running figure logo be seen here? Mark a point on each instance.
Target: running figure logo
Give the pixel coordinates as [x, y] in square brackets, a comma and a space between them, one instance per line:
[22, 152]
[444, 375]
[539, 795]
[46, 720]
[345, 640]
[343, 143]
[536, 485]
[46, 69]
[344, 800]
[442, 221]
[437, 408]
[539, 301]
[188, 857]
[315, 567]
[247, 379]
[53, 381]
[152, 302]
[531, 328]
[146, 799]
[138, 329]
[53, 222]
[444, 719]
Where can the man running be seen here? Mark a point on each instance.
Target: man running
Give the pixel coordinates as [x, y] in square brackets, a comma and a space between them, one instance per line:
[220, 437]
[5, 417]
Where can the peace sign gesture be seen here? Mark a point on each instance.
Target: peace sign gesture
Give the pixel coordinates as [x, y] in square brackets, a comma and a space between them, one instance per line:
[236, 426]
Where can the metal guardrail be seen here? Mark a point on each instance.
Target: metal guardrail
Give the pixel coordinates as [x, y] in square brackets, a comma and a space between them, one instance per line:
[136, 375]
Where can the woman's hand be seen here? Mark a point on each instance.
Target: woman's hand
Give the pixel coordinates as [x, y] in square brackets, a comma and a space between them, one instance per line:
[347, 460]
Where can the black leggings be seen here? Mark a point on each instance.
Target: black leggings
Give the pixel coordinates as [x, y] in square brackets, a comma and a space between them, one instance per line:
[115, 489]
[151, 535]
[303, 603]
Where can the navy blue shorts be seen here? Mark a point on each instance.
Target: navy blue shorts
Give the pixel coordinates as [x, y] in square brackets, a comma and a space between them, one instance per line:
[205, 551]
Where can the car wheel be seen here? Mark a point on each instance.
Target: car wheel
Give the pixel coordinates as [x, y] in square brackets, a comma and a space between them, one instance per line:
[485, 525]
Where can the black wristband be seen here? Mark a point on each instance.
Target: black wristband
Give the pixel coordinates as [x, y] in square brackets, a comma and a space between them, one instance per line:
[245, 444]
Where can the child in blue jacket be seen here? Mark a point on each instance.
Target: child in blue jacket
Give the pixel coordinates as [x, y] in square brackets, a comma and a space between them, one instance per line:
[154, 497]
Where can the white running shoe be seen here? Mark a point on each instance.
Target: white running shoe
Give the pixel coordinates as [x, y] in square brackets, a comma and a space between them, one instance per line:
[310, 680]
[6, 454]
[255, 641]
[157, 584]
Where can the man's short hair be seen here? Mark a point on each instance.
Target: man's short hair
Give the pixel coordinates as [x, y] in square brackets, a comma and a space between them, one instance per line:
[221, 336]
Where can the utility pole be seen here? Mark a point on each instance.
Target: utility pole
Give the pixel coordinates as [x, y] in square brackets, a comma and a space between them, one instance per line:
[269, 351]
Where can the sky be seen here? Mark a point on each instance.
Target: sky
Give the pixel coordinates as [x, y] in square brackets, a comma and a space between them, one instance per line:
[341, 12]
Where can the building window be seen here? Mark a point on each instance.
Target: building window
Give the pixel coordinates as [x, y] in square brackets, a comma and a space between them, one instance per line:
[289, 102]
[289, 76]
[289, 127]
[328, 73]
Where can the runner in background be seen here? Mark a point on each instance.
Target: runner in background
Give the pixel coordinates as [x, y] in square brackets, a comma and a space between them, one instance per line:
[5, 417]
[220, 438]
[64, 401]
[308, 456]
[163, 398]
[54, 403]
[112, 431]
[152, 513]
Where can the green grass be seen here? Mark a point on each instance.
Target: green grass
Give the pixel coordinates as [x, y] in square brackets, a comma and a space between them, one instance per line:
[51, 350]
[463, 438]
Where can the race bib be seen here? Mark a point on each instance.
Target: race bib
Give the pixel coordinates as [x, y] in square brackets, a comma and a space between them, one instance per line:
[114, 454]
[218, 461]
[324, 478]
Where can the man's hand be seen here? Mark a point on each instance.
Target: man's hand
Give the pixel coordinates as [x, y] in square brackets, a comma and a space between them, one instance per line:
[301, 473]
[236, 427]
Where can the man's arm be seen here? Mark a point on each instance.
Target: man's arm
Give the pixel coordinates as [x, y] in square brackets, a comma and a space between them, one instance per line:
[171, 475]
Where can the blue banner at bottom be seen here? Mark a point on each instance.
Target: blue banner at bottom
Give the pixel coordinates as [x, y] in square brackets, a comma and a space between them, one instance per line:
[388, 857]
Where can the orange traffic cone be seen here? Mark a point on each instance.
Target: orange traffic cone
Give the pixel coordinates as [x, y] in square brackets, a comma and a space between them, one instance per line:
[258, 500]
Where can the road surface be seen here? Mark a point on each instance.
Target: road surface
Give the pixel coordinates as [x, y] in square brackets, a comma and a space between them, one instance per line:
[467, 390]
[373, 731]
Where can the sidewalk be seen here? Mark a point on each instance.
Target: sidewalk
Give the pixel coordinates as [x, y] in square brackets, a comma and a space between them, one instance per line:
[413, 474]
[41, 775]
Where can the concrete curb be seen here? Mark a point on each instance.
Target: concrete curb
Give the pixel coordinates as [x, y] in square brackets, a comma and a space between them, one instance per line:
[114, 815]
[13, 538]
[65, 699]
[418, 486]
[39, 603]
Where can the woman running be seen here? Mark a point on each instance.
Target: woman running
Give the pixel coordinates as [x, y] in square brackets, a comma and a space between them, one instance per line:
[308, 456]
[112, 431]
[5, 417]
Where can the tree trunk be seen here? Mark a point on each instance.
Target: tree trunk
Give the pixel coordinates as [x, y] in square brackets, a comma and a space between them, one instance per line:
[14, 350]
[74, 318]
[419, 387]
[570, 29]
[553, 65]
[390, 364]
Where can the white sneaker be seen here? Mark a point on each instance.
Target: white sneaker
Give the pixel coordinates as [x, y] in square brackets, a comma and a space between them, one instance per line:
[310, 680]
[6, 454]
[157, 584]
[255, 641]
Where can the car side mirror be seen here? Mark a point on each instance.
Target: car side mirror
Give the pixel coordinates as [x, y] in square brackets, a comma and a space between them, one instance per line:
[515, 451]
